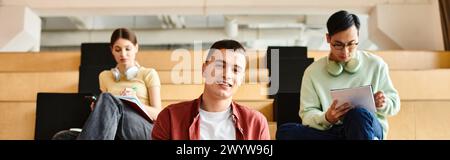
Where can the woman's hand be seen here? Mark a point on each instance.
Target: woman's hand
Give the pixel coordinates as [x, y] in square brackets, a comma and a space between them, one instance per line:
[92, 106]
[128, 92]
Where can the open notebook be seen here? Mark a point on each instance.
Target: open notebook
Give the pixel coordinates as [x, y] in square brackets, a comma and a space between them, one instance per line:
[136, 104]
[358, 97]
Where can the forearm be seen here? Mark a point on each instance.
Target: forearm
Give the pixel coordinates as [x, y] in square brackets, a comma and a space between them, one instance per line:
[315, 119]
[392, 106]
[153, 112]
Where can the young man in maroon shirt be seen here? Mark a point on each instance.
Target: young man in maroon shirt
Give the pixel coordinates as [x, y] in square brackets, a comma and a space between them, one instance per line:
[214, 115]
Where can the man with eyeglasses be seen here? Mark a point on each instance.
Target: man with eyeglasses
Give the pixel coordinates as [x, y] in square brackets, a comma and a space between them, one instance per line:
[344, 67]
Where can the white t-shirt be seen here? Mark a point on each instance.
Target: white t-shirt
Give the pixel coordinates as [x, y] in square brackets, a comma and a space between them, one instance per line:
[217, 125]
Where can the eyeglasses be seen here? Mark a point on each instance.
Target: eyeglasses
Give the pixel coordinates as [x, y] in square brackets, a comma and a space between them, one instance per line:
[341, 46]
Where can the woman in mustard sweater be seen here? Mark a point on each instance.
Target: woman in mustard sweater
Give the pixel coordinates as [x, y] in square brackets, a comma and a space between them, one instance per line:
[112, 118]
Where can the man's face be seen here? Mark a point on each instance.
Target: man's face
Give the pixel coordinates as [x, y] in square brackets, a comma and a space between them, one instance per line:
[343, 44]
[224, 72]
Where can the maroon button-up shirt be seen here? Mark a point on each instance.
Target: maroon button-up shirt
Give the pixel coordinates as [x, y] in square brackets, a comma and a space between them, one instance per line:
[181, 121]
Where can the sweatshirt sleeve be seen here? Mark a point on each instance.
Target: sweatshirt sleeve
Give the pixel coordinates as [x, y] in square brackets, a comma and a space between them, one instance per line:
[392, 105]
[311, 111]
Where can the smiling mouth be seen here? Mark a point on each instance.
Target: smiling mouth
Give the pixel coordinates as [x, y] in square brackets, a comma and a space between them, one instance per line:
[224, 83]
[343, 57]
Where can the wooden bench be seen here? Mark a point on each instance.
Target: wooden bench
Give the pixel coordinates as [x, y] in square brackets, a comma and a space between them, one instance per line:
[161, 60]
[23, 86]
[421, 77]
[17, 119]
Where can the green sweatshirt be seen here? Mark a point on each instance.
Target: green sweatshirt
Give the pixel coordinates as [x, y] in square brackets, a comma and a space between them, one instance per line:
[315, 96]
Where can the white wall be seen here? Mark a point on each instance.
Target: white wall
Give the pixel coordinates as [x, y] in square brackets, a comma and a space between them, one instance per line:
[410, 27]
[391, 24]
[20, 29]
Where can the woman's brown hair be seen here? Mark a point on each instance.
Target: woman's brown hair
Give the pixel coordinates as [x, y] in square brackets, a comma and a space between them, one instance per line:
[124, 34]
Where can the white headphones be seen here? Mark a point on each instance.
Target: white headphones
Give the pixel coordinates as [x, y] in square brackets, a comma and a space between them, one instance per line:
[130, 73]
[336, 69]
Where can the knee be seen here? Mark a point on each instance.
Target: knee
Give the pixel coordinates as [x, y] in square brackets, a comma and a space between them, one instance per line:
[358, 114]
[362, 124]
[105, 95]
[287, 131]
[106, 101]
[107, 98]
[66, 135]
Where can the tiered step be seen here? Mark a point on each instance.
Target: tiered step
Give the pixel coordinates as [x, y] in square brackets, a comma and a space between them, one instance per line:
[423, 87]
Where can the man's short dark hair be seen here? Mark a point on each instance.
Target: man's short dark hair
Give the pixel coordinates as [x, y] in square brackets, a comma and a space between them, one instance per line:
[341, 21]
[225, 44]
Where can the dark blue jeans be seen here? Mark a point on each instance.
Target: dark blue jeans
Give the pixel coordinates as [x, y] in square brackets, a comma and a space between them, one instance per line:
[112, 119]
[358, 124]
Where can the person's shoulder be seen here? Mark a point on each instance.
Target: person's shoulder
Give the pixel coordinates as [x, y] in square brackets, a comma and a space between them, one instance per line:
[180, 106]
[147, 70]
[183, 103]
[104, 73]
[317, 65]
[372, 58]
[248, 113]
